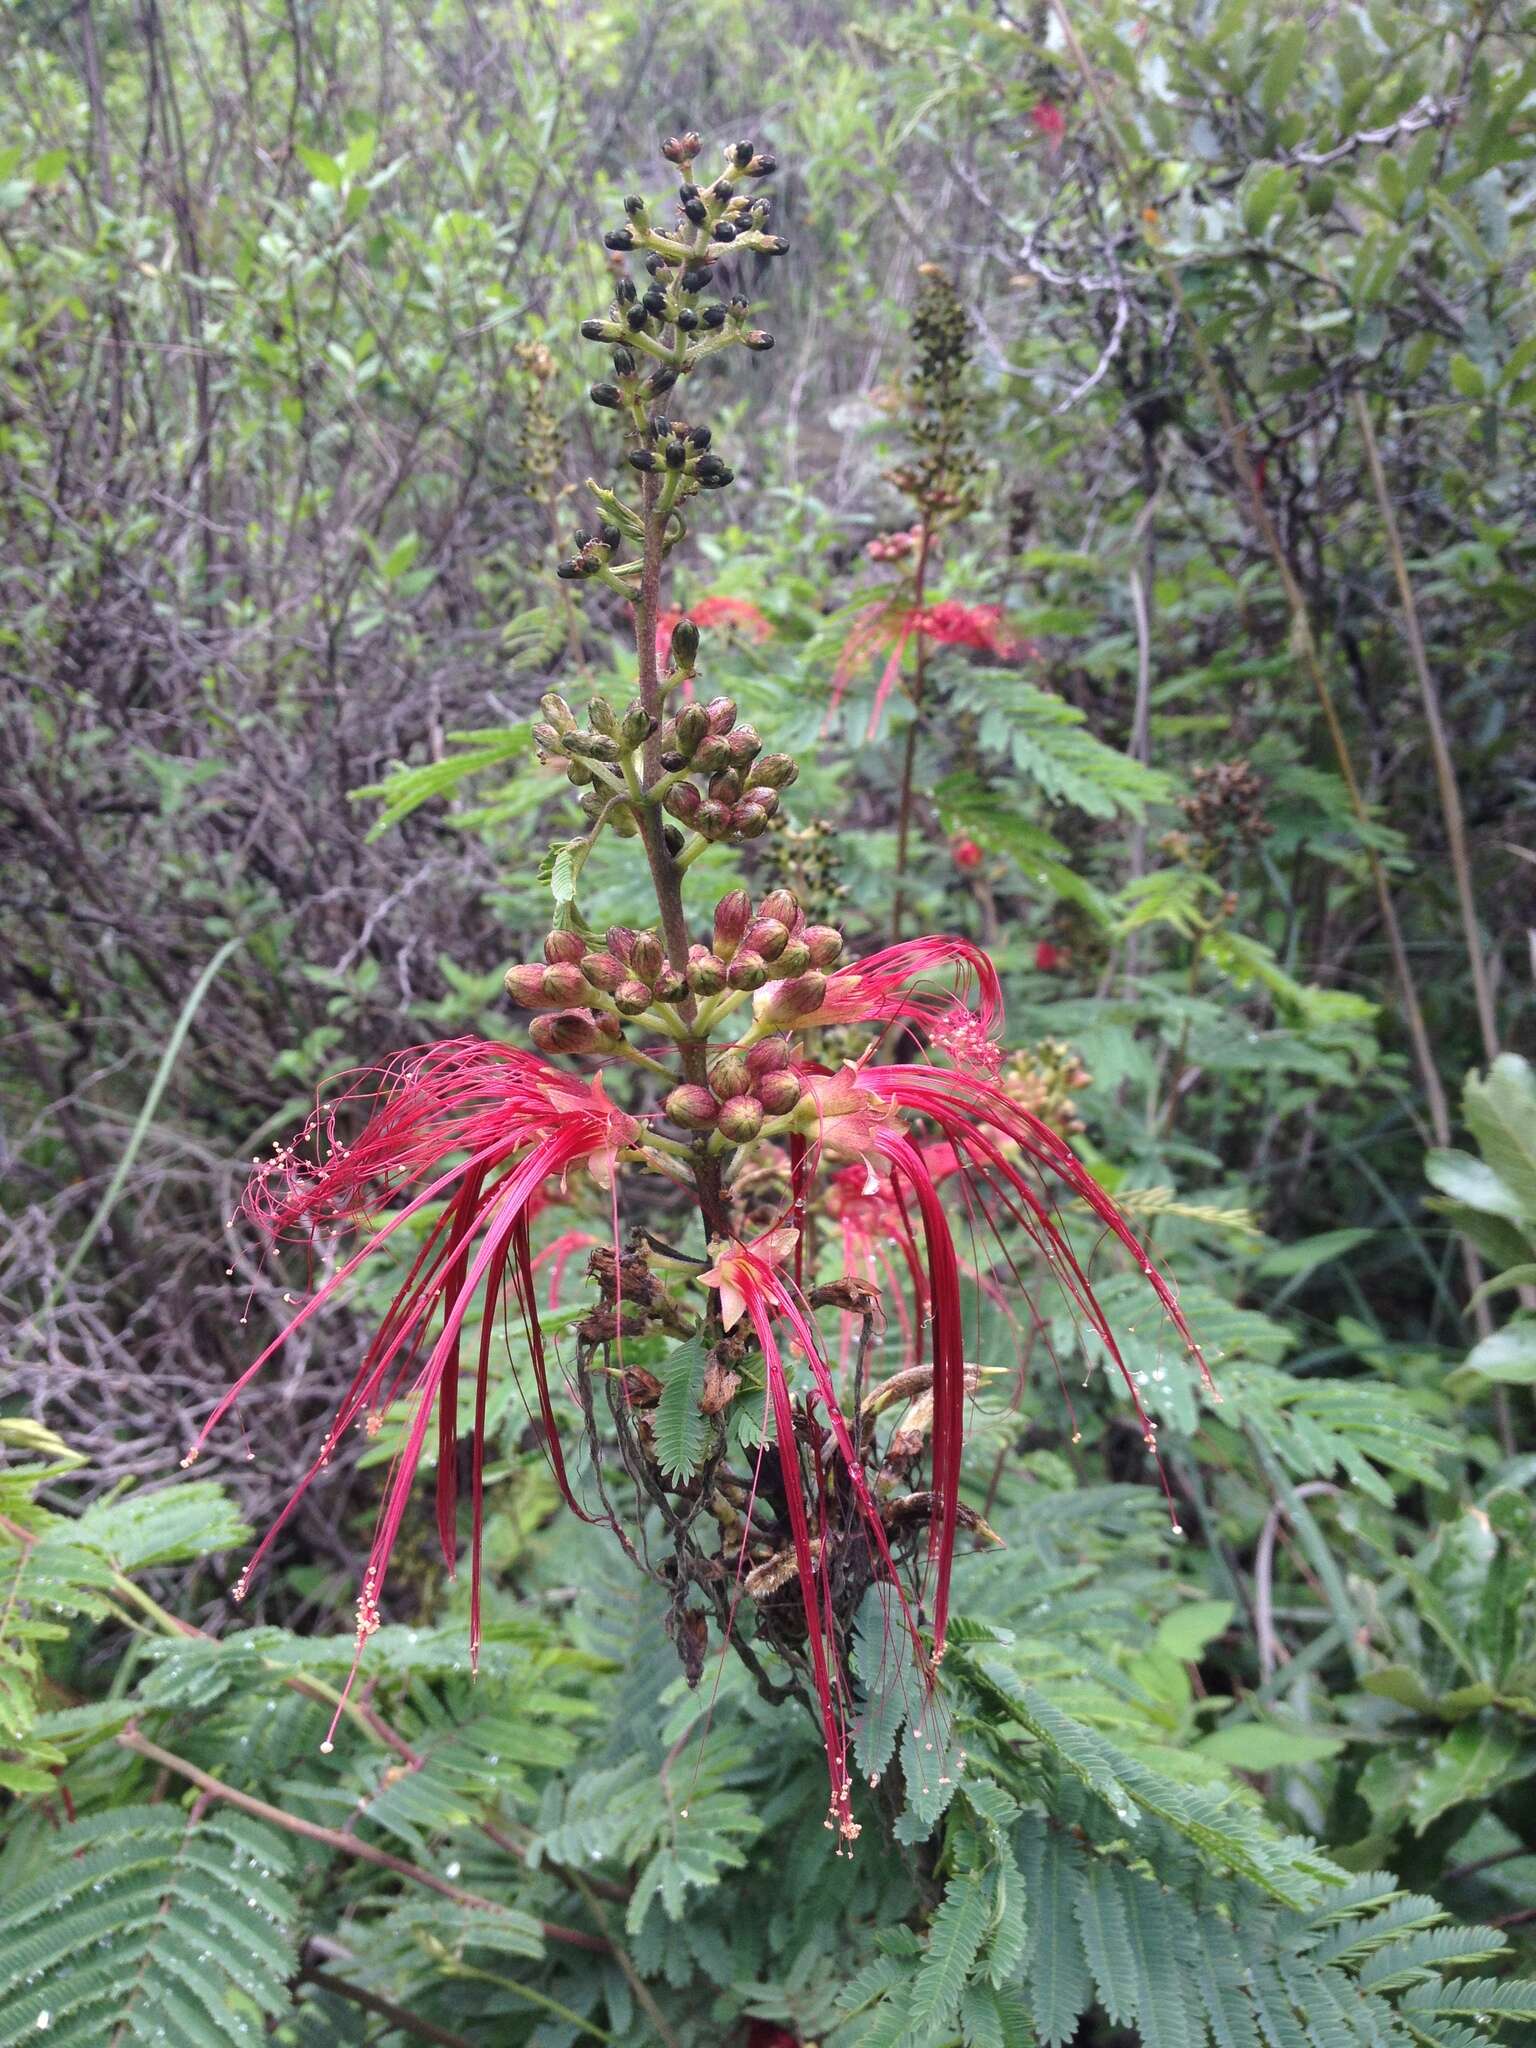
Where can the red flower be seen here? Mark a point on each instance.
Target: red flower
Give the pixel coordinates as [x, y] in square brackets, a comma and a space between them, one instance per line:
[478, 1128]
[1049, 958]
[965, 854]
[880, 990]
[730, 612]
[1005, 1160]
[765, 2034]
[1050, 122]
[949, 623]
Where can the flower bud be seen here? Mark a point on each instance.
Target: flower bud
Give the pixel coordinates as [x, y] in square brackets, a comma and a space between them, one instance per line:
[723, 231]
[606, 395]
[766, 937]
[741, 1118]
[600, 717]
[693, 1107]
[784, 905]
[598, 330]
[619, 238]
[646, 958]
[692, 720]
[759, 341]
[525, 985]
[764, 800]
[721, 712]
[768, 1056]
[725, 787]
[825, 942]
[773, 771]
[730, 1075]
[683, 801]
[743, 746]
[637, 725]
[763, 165]
[740, 154]
[609, 1027]
[670, 986]
[557, 711]
[789, 1002]
[604, 971]
[733, 913]
[564, 983]
[794, 959]
[685, 647]
[711, 754]
[747, 971]
[560, 946]
[631, 997]
[714, 820]
[592, 746]
[545, 737]
[747, 821]
[778, 1093]
[620, 940]
[706, 975]
[681, 149]
[565, 1031]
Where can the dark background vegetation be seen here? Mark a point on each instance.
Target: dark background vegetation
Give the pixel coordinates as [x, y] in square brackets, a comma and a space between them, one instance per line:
[292, 432]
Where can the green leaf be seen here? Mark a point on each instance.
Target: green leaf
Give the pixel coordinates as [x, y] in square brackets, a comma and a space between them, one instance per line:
[682, 1431]
[1264, 195]
[1466, 378]
[1286, 50]
[1260, 1746]
[1470, 1764]
[324, 169]
[1500, 1108]
[1471, 1181]
[954, 1942]
[1508, 1356]
[1186, 1632]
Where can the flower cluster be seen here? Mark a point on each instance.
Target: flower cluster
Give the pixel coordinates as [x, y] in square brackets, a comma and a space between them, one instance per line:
[844, 1129]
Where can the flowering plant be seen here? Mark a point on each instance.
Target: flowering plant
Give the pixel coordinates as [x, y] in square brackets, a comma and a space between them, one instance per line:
[832, 1166]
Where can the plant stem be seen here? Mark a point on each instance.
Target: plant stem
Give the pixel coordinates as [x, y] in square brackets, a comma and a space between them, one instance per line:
[666, 878]
[909, 756]
[397, 2015]
[335, 1840]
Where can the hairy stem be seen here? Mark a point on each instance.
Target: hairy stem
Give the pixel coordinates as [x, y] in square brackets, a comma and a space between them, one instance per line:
[914, 730]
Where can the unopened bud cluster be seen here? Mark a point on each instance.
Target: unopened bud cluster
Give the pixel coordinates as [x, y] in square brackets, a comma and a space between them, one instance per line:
[748, 949]
[736, 792]
[939, 404]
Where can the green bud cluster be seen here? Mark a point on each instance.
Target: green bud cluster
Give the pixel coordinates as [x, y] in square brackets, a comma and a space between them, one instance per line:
[940, 405]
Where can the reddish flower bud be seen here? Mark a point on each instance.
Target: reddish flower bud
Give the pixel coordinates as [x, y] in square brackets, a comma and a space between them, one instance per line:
[706, 976]
[712, 754]
[565, 1031]
[525, 985]
[733, 913]
[714, 819]
[768, 1056]
[730, 1075]
[620, 940]
[741, 1118]
[744, 746]
[603, 970]
[609, 1026]
[692, 1106]
[773, 771]
[965, 854]
[794, 959]
[631, 997]
[564, 984]
[1049, 958]
[766, 937]
[825, 942]
[683, 801]
[646, 958]
[721, 712]
[778, 1093]
[789, 1001]
[747, 971]
[670, 986]
[725, 788]
[692, 727]
[564, 947]
[783, 904]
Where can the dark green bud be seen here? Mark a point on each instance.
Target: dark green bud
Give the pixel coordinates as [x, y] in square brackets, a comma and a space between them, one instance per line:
[685, 652]
[605, 394]
[619, 238]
